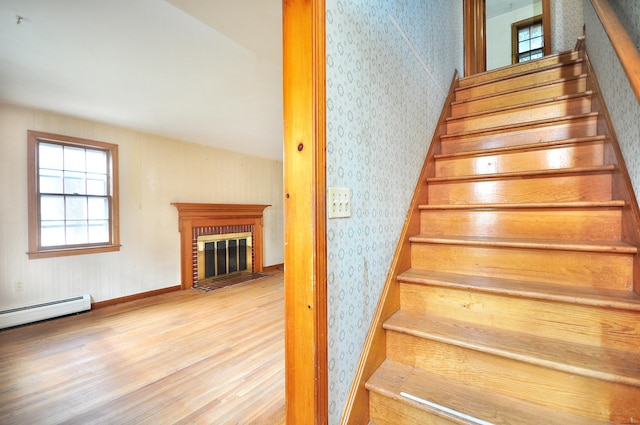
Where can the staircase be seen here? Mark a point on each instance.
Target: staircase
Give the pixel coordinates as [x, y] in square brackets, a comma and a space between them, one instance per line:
[518, 306]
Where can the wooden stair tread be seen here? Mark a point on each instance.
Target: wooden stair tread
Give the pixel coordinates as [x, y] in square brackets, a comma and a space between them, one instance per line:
[522, 147]
[515, 90]
[582, 295]
[534, 205]
[521, 74]
[530, 124]
[524, 105]
[532, 173]
[567, 57]
[551, 244]
[594, 362]
[392, 379]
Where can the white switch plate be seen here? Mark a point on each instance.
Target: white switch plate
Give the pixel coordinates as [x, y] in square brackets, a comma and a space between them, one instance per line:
[338, 202]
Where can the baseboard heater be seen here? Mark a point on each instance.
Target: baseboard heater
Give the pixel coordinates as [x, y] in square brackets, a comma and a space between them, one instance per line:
[49, 310]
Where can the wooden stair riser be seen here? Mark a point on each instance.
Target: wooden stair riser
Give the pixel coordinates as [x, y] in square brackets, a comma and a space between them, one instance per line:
[561, 130]
[571, 268]
[387, 411]
[520, 81]
[563, 391]
[505, 72]
[581, 324]
[520, 115]
[541, 92]
[549, 188]
[595, 224]
[558, 157]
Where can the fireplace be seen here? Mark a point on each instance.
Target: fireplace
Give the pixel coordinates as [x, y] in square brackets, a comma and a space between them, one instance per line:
[224, 255]
[218, 240]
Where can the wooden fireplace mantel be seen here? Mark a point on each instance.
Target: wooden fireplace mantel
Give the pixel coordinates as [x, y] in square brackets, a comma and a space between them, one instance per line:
[192, 215]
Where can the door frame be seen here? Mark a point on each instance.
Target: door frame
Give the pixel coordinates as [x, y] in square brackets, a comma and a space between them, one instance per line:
[305, 251]
[475, 43]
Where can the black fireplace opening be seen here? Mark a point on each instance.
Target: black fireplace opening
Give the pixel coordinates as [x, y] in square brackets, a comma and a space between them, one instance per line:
[224, 255]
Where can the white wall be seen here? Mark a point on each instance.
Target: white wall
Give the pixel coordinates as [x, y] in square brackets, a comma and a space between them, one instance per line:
[154, 172]
[499, 33]
[389, 66]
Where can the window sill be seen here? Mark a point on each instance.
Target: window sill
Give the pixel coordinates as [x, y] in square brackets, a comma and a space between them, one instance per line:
[72, 251]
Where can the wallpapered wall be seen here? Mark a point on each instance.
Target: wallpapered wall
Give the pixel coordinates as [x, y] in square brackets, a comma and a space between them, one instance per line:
[389, 66]
[154, 171]
[566, 24]
[629, 14]
[619, 97]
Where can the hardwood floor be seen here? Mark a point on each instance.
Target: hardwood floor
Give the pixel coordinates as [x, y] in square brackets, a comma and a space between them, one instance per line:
[182, 357]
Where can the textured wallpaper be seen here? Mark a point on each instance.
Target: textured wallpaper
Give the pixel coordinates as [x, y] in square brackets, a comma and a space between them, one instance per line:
[619, 97]
[629, 14]
[389, 66]
[566, 24]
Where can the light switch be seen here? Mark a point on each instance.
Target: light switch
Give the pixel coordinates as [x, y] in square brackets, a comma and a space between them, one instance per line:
[338, 202]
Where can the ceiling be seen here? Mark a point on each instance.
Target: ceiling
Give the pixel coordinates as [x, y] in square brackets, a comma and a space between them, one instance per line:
[204, 71]
[500, 7]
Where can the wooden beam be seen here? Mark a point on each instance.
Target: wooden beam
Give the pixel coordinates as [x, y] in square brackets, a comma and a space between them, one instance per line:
[305, 216]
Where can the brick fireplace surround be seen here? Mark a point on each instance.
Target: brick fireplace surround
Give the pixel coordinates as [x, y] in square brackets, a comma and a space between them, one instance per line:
[208, 219]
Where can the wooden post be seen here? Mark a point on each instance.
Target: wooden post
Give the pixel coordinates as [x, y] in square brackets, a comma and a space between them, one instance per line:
[305, 215]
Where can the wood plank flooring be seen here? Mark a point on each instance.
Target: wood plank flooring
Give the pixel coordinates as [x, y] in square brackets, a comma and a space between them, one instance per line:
[182, 357]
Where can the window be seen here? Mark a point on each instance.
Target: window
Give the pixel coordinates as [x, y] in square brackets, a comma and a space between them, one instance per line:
[527, 39]
[73, 195]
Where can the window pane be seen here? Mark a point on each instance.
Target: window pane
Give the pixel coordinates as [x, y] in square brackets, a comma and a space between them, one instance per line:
[77, 232]
[536, 55]
[98, 209]
[52, 207]
[523, 46]
[74, 159]
[52, 233]
[76, 208]
[98, 231]
[74, 183]
[536, 43]
[96, 184]
[50, 156]
[536, 30]
[524, 57]
[96, 161]
[50, 181]
[523, 34]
